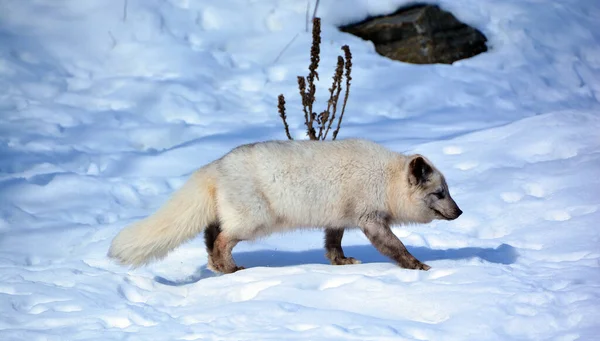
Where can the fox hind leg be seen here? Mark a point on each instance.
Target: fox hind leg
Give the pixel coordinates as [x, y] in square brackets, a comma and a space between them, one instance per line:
[220, 259]
[333, 247]
[211, 233]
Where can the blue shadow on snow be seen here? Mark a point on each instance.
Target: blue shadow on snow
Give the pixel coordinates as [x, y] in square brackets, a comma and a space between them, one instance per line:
[503, 254]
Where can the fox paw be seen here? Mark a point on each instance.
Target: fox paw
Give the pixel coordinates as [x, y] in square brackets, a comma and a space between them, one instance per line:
[422, 266]
[345, 261]
[416, 265]
[220, 268]
[238, 268]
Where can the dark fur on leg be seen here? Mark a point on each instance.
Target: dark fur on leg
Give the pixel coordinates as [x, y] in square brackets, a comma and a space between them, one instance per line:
[377, 229]
[221, 259]
[333, 246]
[211, 233]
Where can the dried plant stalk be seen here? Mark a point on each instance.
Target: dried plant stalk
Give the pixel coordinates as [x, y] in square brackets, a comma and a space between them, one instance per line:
[322, 120]
[281, 109]
[348, 67]
[315, 52]
[334, 92]
[302, 89]
[307, 90]
[306, 107]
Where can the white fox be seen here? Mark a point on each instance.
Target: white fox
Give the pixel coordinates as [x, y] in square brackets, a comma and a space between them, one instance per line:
[261, 188]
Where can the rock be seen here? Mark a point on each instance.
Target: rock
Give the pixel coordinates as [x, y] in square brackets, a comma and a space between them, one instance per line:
[420, 34]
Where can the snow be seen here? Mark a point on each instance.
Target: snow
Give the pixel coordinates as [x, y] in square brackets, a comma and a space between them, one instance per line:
[106, 109]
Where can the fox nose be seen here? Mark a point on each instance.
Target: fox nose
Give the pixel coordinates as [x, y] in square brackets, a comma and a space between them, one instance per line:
[457, 212]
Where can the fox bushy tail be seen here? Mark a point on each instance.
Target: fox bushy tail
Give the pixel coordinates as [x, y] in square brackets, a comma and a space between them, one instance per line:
[181, 218]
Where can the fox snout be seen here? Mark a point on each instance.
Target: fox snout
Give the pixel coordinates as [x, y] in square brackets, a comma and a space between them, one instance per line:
[447, 209]
[451, 211]
[455, 214]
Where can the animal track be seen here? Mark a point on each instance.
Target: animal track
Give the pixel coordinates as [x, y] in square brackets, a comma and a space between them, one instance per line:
[569, 212]
[452, 150]
[302, 327]
[535, 190]
[511, 197]
[249, 291]
[440, 273]
[557, 215]
[464, 166]
[337, 282]
[135, 289]
[116, 321]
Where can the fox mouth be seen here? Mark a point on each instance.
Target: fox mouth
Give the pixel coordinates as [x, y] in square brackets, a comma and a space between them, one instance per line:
[442, 215]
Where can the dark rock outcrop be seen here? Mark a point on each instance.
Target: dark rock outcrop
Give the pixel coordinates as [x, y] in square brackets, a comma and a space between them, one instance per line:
[420, 34]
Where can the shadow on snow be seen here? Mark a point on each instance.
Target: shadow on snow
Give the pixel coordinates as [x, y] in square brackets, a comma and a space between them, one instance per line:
[503, 254]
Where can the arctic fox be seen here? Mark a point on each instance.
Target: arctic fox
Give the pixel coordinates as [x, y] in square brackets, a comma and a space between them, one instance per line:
[261, 188]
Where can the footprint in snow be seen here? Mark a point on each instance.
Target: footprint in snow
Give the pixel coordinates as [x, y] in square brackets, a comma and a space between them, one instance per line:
[557, 215]
[455, 150]
[535, 190]
[250, 290]
[338, 282]
[569, 212]
[467, 165]
[452, 150]
[511, 197]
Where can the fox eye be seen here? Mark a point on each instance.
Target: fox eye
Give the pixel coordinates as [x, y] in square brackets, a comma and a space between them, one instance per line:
[439, 194]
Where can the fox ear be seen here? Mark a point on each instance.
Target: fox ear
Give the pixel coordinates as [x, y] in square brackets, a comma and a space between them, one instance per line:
[419, 170]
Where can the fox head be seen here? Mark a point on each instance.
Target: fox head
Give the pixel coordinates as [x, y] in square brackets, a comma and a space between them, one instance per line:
[429, 194]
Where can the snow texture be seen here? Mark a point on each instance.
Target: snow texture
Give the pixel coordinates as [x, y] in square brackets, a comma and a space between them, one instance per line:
[108, 106]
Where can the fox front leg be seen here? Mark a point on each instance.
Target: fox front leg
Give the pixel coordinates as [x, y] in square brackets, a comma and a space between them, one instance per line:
[378, 231]
[333, 246]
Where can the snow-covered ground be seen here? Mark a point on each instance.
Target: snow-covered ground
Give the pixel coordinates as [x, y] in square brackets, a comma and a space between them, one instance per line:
[106, 109]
